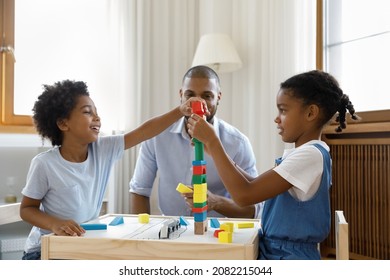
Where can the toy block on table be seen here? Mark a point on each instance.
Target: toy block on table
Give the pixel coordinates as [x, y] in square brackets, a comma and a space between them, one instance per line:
[217, 231]
[117, 221]
[200, 217]
[143, 218]
[225, 237]
[200, 227]
[227, 226]
[181, 188]
[94, 226]
[183, 221]
[245, 225]
[214, 223]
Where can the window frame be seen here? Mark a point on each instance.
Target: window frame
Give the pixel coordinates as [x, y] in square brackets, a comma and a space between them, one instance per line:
[372, 121]
[9, 121]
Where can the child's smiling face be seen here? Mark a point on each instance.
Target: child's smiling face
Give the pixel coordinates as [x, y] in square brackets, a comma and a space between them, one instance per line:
[83, 124]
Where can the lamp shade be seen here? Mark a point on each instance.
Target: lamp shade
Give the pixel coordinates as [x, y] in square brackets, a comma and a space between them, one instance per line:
[218, 52]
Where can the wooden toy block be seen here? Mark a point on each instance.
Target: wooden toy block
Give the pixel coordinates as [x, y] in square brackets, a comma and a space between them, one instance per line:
[194, 140]
[199, 151]
[227, 226]
[199, 197]
[200, 204]
[214, 223]
[200, 188]
[197, 108]
[217, 231]
[117, 221]
[199, 169]
[199, 179]
[245, 225]
[200, 227]
[200, 209]
[225, 237]
[181, 188]
[94, 226]
[183, 221]
[143, 218]
[199, 162]
[200, 217]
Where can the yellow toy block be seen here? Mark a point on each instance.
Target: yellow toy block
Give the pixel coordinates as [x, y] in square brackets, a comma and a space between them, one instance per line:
[143, 218]
[181, 188]
[200, 188]
[200, 197]
[228, 226]
[225, 237]
[245, 225]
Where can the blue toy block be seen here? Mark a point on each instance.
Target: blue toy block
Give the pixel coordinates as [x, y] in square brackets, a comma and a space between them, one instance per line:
[214, 223]
[183, 221]
[117, 221]
[200, 217]
[93, 226]
[199, 162]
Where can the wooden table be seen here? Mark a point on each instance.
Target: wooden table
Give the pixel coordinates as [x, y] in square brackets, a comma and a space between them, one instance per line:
[134, 240]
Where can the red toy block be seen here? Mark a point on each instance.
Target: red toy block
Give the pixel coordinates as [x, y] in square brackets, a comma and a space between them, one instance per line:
[197, 108]
[217, 231]
[199, 169]
[199, 210]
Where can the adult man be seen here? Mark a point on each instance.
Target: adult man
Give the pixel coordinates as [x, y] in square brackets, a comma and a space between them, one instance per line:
[171, 154]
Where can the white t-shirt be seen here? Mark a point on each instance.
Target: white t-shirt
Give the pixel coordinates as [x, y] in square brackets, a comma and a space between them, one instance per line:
[303, 167]
[70, 190]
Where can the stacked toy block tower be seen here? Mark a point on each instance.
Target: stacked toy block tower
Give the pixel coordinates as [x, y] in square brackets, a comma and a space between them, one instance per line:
[199, 179]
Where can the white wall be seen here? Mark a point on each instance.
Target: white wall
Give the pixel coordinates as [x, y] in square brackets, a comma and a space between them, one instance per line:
[16, 152]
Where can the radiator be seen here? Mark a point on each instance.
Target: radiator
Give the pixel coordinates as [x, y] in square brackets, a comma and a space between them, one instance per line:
[361, 188]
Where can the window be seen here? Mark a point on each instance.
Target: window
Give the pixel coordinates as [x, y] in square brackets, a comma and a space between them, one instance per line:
[7, 61]
[356, 51]
[63, 39]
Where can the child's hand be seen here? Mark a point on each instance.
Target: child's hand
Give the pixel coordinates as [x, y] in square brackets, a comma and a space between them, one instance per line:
[186, 108]
[188, 197]
[212, 200]
[68, 228]
[200, 129]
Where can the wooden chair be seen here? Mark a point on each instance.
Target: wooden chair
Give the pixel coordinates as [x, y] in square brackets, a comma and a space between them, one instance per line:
[342, 236]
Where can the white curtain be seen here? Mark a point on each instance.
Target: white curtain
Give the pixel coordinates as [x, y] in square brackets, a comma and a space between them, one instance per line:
[153, 43]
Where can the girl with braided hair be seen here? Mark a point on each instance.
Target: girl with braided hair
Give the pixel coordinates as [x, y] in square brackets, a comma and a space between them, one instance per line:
[296, 215]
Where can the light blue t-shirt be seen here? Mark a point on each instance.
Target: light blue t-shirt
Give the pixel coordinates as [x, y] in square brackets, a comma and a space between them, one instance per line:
[70, 190]
[170, 154]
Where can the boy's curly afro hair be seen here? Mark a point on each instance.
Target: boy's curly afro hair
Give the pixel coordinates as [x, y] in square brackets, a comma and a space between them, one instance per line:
[54, 104]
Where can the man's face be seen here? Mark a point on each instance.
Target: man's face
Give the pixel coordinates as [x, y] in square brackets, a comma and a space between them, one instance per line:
[204, 88]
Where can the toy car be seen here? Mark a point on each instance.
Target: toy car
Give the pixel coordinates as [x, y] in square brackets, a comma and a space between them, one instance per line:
[168, 227]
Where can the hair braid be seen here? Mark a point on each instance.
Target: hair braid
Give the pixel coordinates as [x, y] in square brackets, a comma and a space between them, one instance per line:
[345, 104]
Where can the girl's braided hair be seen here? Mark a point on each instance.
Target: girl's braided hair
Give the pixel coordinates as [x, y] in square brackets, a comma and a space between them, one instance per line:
[321, 88]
